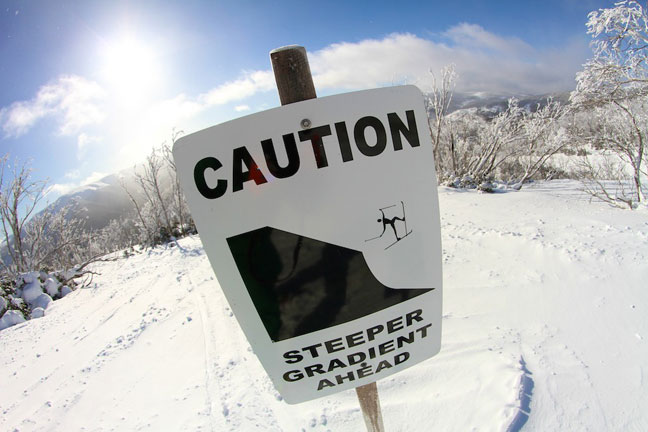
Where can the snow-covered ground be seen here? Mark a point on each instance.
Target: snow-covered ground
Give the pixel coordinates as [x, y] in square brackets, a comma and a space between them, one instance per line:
[545, 329]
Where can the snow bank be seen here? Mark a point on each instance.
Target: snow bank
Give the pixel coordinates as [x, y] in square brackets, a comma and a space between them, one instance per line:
[545, 308]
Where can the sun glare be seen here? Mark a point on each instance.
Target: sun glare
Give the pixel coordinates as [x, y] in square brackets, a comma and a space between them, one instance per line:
[131, 70]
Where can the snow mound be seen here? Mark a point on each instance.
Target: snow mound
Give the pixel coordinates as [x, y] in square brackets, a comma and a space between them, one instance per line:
[32, 291]
[42, 301]
[38, 312]
[11, 318]
[52, 286]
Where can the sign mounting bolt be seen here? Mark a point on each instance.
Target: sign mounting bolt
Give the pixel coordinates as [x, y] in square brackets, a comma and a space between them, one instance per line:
[305, 123]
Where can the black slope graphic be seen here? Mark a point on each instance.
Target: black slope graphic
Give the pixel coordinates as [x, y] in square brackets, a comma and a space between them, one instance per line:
[300, 285]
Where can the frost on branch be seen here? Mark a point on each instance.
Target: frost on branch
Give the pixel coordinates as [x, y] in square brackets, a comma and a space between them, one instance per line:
[162, 214]
[612, 88]
[508, 148]
[33, 243]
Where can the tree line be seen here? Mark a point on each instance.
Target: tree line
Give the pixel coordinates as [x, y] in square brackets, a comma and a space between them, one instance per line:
[58, 237]
[604, 124]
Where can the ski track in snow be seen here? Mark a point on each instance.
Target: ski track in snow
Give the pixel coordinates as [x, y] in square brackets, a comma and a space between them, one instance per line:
[544, 323]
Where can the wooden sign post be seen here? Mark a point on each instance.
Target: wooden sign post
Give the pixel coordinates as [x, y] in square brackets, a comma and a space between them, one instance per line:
[295, 83]
[370, 405]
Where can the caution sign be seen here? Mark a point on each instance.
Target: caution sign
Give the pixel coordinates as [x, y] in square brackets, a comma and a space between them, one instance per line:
[321, 221]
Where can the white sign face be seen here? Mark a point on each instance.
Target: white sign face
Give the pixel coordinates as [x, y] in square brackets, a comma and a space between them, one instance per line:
[321, 221]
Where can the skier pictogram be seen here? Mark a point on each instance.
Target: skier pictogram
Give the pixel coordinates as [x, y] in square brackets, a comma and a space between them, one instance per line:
[392, 223]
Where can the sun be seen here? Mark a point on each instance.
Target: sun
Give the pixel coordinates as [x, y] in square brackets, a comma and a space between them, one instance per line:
[131, 69]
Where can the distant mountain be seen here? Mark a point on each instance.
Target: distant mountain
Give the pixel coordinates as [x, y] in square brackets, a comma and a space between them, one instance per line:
[488, 106]
[99, 202]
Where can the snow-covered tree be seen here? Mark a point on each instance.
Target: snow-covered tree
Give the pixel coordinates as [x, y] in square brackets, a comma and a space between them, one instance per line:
[118, 234]
[480, 146]
[514, 146]
[178, 203]
[53, 238]
[151, 186]
[144, 226]
[541, 137]
[615, 169]
[44, 253]
[160, 206]
[614, 85]
[438, 102]
[20, 196]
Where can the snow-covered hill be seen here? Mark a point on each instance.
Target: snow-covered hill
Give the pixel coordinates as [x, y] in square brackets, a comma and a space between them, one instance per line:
[545, 327]
[100, 202]
[488, 106]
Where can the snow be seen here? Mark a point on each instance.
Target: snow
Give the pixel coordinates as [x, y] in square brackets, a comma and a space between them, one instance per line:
[31, 291]
[38, 312]
[30, 277]
[42, 301]
[11, 318]
[52, 286]
[27, 296]
[544, 329]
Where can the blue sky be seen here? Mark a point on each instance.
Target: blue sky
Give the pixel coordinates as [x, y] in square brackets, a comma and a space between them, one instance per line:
[88, 87]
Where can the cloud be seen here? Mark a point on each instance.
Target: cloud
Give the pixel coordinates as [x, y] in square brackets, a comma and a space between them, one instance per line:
[73, 174]
[485, 62]
[475, 37]
[94, 177]
[65, 188]
[83, 141]
[74, 101]
[182, 107]
[161, 116]
[61, 188]
[369, 63]
[249, 84]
